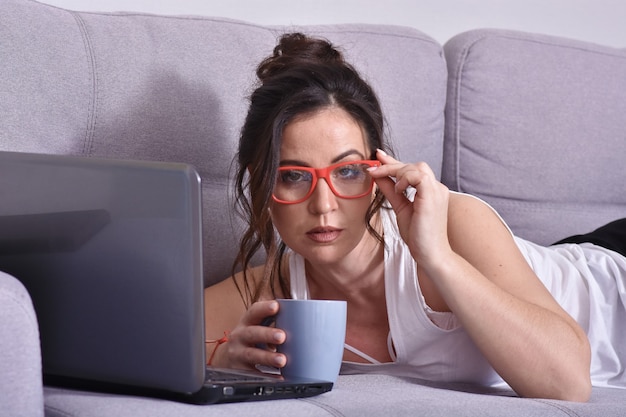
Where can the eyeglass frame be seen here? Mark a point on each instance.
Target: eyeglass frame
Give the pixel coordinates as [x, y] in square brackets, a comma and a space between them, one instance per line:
[324, 173]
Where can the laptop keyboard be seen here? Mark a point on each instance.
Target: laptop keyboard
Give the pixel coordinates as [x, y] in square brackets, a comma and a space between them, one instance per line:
[231, 375]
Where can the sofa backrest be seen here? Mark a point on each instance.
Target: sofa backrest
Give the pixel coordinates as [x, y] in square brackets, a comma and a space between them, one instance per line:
[137, 86]
[536, 126]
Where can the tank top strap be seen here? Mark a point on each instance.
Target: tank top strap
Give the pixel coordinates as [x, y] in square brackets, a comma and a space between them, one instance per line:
[297, 277]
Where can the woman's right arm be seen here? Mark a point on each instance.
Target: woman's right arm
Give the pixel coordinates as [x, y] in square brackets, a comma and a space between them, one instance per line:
[225, 312]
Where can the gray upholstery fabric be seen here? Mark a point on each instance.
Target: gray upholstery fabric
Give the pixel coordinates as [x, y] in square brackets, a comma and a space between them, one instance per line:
[21, 393]
[353, 396]
[535, 125]
[138, 86]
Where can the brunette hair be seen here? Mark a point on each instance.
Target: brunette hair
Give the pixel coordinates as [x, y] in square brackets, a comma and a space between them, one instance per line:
[303, 75]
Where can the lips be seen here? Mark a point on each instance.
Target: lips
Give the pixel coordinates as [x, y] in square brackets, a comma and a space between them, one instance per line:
[323, 234]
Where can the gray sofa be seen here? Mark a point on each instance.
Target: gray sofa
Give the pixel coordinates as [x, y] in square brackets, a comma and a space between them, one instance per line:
[533, 124]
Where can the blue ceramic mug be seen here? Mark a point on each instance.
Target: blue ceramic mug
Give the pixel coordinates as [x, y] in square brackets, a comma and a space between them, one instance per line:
[315, 335]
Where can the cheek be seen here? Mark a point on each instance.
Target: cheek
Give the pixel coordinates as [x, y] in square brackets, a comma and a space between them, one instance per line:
[359, 211]
[282, 217]
[362, 204]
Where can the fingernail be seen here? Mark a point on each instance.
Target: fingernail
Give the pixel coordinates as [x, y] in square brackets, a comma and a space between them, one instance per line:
[278, 337]
[381, 151]
[280, 361]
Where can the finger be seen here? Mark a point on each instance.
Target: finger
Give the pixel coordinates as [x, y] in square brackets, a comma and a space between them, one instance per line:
[414, 175]
[266, 353]
[384, 157]
[387, 169]
[257, 335]
[259, 311]
[408, 177]
[248, 345]
[388, 187]
[270, 335]
[254, 356]
[249, 357]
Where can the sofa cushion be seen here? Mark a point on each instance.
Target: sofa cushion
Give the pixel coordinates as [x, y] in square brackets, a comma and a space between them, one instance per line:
[535, 126]
[21, 392]
[353, 395]
[137, 86]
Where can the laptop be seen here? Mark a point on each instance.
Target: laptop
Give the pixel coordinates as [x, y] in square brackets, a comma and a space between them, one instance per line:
[111, 254]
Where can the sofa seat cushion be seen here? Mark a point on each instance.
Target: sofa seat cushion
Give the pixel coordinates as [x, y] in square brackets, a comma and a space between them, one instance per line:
[353, 395]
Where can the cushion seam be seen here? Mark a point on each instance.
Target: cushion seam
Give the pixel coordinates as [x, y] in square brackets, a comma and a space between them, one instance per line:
[418, 35]
[458, 77]
[618, 53]
[566, 410]
[57, 410]
[30, 316]
[91, 124]
[330, 409]
[542, 206]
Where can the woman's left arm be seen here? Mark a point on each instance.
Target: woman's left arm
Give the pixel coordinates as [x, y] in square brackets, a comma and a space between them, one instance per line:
[526, 336]
[470, 257]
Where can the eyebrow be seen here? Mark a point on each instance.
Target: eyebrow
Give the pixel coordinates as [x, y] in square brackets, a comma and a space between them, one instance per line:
[294, 162]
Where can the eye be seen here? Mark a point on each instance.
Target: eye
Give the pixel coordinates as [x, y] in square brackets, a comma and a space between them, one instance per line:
[294, 176]
[350, 172]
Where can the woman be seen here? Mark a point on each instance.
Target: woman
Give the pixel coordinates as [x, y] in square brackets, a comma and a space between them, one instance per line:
[436, 285]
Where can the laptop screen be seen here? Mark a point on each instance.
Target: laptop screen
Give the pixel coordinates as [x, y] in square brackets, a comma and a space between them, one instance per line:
[110, 252]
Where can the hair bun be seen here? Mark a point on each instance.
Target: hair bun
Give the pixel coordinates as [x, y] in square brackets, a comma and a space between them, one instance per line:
[296, 49]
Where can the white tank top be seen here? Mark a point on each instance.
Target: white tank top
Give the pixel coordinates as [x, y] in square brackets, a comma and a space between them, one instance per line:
[587, 280]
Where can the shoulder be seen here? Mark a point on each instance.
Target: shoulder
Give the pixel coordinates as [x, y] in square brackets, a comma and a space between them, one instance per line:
[478, 234]
[232, 288]
[234, 292]
[468, 202]
[224, 301]
[471, 218]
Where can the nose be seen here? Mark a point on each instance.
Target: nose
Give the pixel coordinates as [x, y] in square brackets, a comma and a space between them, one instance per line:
[323, 200]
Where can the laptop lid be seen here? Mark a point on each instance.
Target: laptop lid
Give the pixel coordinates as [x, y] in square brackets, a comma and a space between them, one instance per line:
[110, 252]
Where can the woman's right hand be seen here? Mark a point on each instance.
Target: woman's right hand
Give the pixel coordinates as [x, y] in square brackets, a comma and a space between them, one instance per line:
[242, 350]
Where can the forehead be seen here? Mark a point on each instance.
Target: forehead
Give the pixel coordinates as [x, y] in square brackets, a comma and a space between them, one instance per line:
[322, 135]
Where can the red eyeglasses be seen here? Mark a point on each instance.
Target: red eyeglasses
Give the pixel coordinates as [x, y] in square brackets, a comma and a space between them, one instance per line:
[348, 179]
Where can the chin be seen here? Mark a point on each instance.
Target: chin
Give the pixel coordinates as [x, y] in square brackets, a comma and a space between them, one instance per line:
[324, 255]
